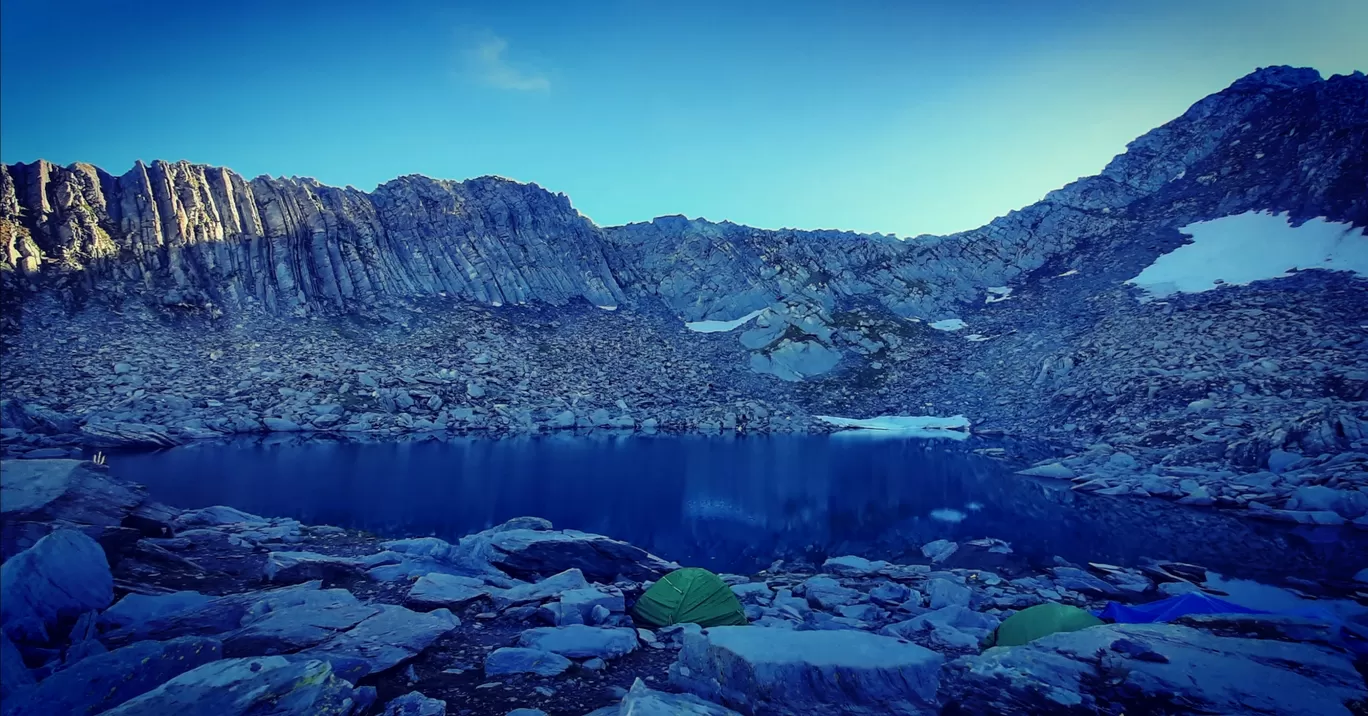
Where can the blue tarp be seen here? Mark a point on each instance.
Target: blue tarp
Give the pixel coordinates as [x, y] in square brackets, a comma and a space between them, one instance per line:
[1169, 609]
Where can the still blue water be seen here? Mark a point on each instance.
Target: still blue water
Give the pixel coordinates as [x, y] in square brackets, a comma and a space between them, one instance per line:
[727, 504]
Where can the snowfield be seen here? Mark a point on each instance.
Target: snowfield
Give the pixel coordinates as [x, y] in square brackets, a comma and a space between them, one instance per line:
[949, 324]
[956, 427]
[721, 326]
[1254, 246]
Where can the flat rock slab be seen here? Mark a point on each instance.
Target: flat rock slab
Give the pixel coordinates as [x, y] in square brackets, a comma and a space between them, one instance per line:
[224, 614]
[642, 700]
[527, 554]
[415, 704]
[270, 685]
[437, 590]
[547, 588]
[100, 682]
[1167, 668]
[516, 660]
[781, 671]
[581, 642]
[138, 608]
[63, 576]
[387, 639]
[294, 628]
[296, 567]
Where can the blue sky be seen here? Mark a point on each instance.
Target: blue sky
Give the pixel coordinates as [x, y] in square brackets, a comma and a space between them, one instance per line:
[900, 117]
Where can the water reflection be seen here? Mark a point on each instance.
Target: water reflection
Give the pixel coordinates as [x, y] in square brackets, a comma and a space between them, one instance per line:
[728, 504]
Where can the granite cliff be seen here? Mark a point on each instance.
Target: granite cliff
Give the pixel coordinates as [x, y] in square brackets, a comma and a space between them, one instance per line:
[186, 301]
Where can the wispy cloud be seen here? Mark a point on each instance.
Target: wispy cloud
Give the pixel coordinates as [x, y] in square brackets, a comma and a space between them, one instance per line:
[488, 62]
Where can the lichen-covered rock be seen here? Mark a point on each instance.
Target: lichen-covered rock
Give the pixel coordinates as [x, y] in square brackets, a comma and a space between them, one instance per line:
[100, 682]
[265, 686]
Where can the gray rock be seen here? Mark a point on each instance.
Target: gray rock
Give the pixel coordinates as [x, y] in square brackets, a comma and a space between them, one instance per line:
[102, 681]
[939, 550]
[415, 704]
[35, 495]
[436, 590]
[827, 593]
[944, 593]
[215, 516]
[780, 671]
[14, 674]
[1156, 664]
[138, 608]
[1280, 460]
[264, 686]
[296, 567]
[222, 614]
[387, 639]
[753, 592]
[581, 642]
[281, 425]
[61, 577]
[890, 593]
[852, 566]
[513, 660]
[293, 628]
[1054, 470]
[644, 701]
[526, 553]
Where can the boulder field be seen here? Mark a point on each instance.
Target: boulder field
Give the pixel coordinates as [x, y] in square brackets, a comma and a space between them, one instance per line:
[217, 610]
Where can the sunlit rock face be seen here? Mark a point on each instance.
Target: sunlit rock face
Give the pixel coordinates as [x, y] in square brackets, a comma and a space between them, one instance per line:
[204, 236]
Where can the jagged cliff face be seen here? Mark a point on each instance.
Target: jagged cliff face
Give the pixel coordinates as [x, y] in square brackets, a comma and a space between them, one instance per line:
[189, 235]
[1280, 139]
[203, 236]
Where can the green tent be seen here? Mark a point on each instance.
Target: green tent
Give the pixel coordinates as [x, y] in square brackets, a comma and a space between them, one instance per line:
[690, 595]
[1041, 620]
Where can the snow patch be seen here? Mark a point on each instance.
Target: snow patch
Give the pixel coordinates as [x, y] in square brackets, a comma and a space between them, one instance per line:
[1254, 246]
[949, 324]
[946, 514]
[976, 338]
[956, 427]
[998, 293]
[722, 326]
[1070, 272]
[609, 308]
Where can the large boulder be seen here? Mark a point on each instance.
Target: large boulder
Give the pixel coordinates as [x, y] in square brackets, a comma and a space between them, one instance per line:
[385, 640]
[100, 682]
[36, 495]
[14, 674]
[223, 614]
[516, 660]
[264, 686]
[1157, 668]
[779, 671]
[437, 590]
[531, 550]
[553, 586]
[415, 704]
[296, 567]
[61, 577]
[287, 630]
[644, 701]
[581, 642]
[138, 608]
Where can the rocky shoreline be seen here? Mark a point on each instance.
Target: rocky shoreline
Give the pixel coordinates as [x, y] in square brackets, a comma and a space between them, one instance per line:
[116, 604]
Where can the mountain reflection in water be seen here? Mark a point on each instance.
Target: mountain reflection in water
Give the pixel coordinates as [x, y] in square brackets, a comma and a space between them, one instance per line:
[729, 504]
